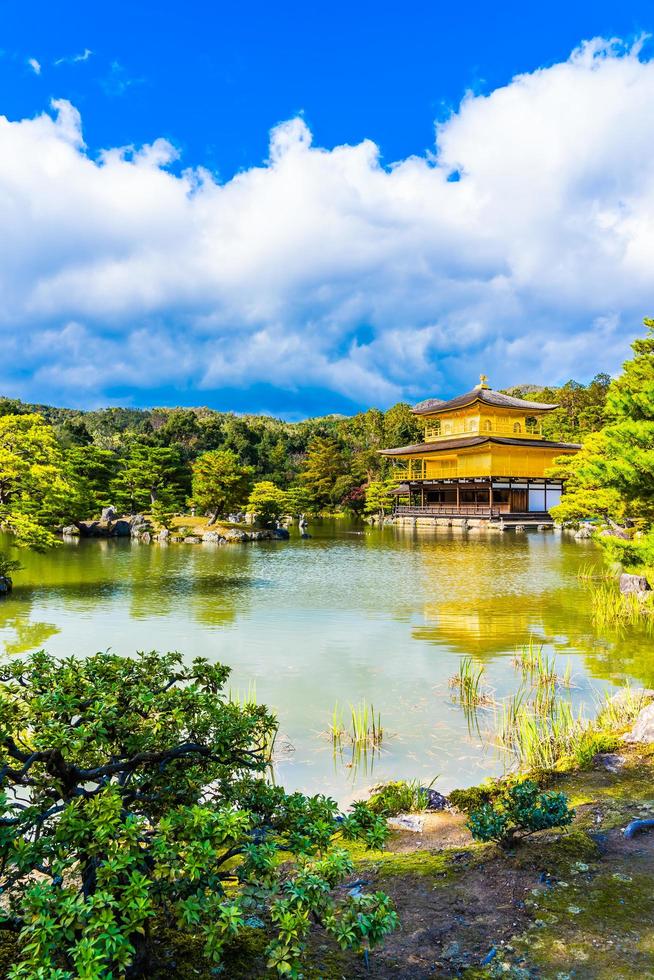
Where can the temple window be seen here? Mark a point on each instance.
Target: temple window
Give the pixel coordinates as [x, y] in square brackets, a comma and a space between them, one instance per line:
[488, 425]
[517, 427]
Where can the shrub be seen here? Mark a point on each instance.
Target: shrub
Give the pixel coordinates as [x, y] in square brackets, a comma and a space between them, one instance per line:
[392, 798]
[523, 810]
[133, 790]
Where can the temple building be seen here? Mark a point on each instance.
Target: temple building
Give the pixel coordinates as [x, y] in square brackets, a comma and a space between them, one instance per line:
[483, 456]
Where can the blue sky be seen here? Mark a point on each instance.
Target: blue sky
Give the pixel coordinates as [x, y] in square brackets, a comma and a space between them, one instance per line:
[331, 265]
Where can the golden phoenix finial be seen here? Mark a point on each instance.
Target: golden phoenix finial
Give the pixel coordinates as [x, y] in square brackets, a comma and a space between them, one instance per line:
[483, 381]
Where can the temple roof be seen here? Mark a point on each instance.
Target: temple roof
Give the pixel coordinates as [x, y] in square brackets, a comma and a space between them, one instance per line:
[468, 441]
[484, 395]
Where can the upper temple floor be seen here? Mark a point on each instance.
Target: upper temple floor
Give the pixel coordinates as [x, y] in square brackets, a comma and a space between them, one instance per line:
[482, 411]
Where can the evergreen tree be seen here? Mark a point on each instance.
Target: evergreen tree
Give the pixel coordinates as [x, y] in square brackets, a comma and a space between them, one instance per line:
[325, 474]
[613, 475]
[146, 472]
[221, 483]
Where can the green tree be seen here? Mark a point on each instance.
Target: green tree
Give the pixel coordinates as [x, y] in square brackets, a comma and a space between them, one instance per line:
[133, 793]
[221, 483]
[90, 470]
[401, 427]
[612, 478]
[326, 475]
[145, 473]
[34, 492]
[613, 475]
[379, 499]
[267, 502]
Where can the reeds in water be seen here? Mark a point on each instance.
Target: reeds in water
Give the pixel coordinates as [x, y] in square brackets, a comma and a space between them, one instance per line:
[613, 609]
[467, 685]
[365, 729]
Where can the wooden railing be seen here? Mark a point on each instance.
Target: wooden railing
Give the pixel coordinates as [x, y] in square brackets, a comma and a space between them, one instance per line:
[449, 430]
[450, 510]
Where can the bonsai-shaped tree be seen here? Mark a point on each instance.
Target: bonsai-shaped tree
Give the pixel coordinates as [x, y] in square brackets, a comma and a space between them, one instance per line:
[521, 811]
[134, 790]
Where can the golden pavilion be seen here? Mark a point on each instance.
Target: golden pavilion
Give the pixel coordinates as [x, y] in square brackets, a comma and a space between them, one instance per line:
[483, 456]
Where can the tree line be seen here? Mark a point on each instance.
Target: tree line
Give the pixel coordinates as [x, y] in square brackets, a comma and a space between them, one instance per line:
[62, 465]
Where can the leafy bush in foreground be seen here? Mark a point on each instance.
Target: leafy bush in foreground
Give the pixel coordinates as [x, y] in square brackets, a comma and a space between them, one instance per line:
[522, 811]
[133, 789]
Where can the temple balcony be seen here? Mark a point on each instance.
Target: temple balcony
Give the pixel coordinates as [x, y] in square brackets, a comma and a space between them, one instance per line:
[530, 429]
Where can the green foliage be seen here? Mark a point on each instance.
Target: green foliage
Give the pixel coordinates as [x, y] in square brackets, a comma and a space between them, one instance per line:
[613, 476]
[267, 502]
[400, 796]
[147, 473]
[8, 566]
[379, 499]
[220, 482]
[163, 511]
[34, 491]
[327, 475]
[521, 811]
[133, 790]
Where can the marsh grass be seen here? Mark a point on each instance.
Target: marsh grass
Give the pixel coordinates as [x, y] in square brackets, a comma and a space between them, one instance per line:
[467, 685]
[614, 610]
[365, 727]
[589, 572]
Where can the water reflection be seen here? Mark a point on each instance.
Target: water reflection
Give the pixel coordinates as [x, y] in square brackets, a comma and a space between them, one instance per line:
[352, 613]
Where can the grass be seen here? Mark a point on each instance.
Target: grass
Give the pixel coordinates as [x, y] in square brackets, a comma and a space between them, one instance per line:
[365, 731]
[402, 796]
[612, 609]
[467, 683]
[547, 733]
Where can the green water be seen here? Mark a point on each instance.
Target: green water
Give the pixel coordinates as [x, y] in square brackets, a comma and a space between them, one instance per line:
[351, 613]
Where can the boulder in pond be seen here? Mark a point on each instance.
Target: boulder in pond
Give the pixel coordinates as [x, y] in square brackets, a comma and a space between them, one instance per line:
[585, 531]
[192, 539]
[6, 585]
[281, 534]
[163, 535]
[633, 584]
[70, 531]
[643, 730]
[234, 534]
[121, 528]
[213, 537]
[108, 514]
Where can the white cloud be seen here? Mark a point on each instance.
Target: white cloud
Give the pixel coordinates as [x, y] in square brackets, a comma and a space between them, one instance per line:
[322, 268]
[74, 59]
[34, 65]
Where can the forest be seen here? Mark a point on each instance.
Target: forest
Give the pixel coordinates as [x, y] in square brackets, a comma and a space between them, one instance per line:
[136, 459]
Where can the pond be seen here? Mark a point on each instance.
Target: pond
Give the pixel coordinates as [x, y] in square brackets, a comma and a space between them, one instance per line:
[355, 612]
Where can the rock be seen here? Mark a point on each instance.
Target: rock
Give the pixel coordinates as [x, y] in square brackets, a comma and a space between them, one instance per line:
[609, 761]
[137, 525]
[306, 536]
[213, 536]
[176, 538]
[262, 535]
[192, 539]
[6, 585]
[145, 538]
[519, 528]
[436, 800]
[121, 529]
[585, 531]
[633, 584]
[163, 535]
[70, 531]
[108, 514]
[234, 534]
[643, 730]
[407, 821]
[281, 534]
[544, 527]
[451, 951]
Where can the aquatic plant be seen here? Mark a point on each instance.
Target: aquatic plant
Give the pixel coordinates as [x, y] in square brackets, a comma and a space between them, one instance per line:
[523, 810]
[527, 656]
[468, 684]
[365, 729]
[366, 726]
[613, 609]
